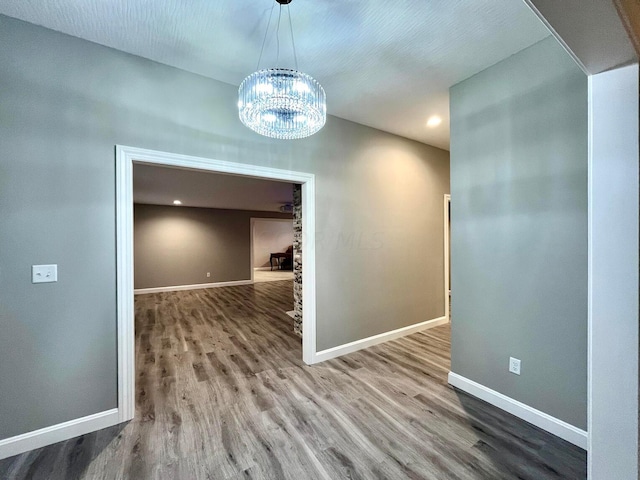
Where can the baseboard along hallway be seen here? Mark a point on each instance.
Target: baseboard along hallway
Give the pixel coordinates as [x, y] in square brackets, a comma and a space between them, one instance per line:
[222, 393]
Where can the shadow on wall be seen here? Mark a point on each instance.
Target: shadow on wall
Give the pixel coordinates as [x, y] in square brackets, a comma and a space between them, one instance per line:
[503, 439]
[84, 451]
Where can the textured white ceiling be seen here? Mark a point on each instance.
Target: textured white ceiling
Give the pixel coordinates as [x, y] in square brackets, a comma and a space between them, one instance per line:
[385, 64]
[162, 185]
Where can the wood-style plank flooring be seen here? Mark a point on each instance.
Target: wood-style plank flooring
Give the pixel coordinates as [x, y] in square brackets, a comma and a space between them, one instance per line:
[222, 393]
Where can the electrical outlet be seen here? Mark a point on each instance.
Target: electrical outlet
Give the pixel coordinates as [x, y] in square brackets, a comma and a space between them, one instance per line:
[44, 273]
[208, 274]
[514, 365]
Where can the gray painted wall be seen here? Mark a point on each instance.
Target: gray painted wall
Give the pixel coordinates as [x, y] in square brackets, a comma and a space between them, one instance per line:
[614, 300]
[519, 230]
[590, 28]
[179, 245]
[65, 104]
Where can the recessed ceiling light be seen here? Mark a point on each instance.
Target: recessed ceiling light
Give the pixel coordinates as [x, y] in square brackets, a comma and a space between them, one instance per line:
[434, 121]
[177, 202]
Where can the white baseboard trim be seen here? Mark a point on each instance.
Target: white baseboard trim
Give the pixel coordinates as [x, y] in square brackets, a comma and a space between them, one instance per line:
[57, 433]
[177, 288]
[263, 268]
[529, 414]
[340, 350]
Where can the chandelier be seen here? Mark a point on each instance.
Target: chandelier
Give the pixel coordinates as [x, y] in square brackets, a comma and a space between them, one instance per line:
[280, 102]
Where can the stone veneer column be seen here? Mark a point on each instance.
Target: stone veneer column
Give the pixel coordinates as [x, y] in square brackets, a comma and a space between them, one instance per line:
[297, 259]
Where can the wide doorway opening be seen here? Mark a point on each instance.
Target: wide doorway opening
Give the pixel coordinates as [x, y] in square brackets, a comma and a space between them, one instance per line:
[186, 250]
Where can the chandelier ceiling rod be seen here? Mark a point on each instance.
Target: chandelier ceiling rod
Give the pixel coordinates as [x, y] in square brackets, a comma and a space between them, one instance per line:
[293, 42]
[266, 33]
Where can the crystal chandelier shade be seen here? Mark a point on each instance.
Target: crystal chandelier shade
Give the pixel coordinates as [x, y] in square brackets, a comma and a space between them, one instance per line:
[279, 102]
[282, 103]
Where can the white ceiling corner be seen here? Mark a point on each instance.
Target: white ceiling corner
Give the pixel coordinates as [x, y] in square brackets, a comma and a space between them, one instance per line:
[388, 65]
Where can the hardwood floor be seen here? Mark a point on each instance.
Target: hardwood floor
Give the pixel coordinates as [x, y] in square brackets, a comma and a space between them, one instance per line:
[222, 393]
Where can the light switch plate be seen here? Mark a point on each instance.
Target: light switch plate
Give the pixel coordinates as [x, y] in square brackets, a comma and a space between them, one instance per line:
[44, 273]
